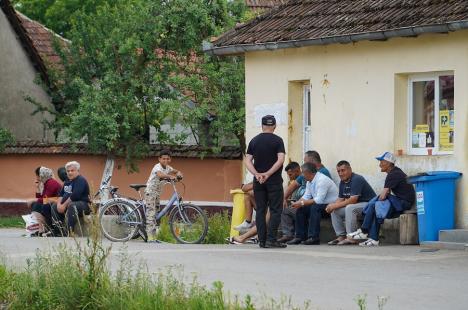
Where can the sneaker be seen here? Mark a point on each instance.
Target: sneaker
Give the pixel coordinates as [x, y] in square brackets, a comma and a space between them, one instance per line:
[253, 240]
[243, 226]
[369, 242]
[357, 235]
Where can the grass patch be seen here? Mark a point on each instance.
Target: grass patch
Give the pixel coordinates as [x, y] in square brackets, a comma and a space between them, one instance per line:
[11, 222]
[219, 225]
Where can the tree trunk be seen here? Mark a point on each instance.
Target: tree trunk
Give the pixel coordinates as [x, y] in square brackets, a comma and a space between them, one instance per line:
[106, 179]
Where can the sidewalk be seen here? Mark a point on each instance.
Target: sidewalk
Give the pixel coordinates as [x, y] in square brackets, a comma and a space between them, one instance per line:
[330, 277]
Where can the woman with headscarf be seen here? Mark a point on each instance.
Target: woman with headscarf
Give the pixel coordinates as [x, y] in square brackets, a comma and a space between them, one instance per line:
[47, 191]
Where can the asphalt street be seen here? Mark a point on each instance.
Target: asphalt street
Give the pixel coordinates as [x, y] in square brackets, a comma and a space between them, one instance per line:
[325, 276]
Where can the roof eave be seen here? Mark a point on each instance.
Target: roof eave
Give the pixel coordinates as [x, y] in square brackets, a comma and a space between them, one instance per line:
[413, 31]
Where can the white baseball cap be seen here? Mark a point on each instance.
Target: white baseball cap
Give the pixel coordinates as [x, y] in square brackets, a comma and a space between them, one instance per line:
[387, 156]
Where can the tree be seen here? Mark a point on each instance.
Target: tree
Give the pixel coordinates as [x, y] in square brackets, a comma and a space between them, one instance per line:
[133, 64]
[6, 138]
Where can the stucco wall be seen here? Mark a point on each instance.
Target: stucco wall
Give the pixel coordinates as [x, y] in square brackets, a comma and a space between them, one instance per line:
[17, 76]
[356, 109]
[205, 180]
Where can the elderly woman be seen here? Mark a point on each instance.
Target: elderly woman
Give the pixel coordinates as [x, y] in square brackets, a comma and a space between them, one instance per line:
[47, 191]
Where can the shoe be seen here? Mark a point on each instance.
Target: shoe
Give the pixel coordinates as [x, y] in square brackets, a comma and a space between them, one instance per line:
[231, 240]
[243, 226]
[311, 241]
[348, 242]
[369, 242]
[335, 241]
[294, 241]
[264, 245]
[275, 244]
[253, 240]
[285, 239]
[357, 235]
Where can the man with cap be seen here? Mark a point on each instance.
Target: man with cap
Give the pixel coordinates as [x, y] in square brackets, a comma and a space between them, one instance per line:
[397, 196]
[264, 159]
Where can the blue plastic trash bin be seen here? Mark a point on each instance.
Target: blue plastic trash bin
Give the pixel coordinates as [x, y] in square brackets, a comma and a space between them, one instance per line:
[435, 202]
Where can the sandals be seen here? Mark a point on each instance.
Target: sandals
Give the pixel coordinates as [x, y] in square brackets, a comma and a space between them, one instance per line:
[231, 240]
[347, 242]
[334, 242]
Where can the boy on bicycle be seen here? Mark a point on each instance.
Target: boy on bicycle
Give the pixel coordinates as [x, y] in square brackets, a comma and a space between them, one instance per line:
[159, 174]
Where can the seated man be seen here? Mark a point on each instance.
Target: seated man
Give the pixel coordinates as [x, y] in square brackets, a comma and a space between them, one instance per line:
[314, 158]
[249, 204]
[354, 193]
[73, 200]
[320, 191]
[293, 192]
[385, 205]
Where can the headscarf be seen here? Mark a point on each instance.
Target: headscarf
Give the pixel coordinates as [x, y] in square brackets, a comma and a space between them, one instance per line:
[45, 174]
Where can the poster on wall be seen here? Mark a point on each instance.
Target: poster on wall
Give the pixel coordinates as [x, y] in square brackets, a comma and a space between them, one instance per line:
[278, 110]
[445, 130]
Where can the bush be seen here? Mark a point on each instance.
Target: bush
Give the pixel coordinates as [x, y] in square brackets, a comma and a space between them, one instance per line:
[219, 226]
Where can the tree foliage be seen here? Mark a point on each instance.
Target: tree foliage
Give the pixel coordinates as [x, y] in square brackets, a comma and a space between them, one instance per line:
[135, 64]
[6, 138]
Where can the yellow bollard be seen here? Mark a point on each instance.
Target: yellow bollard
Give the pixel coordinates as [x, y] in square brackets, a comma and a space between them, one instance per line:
[238, 210]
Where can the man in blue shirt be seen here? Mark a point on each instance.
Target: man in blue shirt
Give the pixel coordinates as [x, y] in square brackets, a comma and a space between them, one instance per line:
[74, 199]
[354, 193]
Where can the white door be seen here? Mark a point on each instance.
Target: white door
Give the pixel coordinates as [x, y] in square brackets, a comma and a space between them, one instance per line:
[306, 119]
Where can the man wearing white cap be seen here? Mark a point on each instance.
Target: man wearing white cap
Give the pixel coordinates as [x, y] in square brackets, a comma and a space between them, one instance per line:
[397, 196]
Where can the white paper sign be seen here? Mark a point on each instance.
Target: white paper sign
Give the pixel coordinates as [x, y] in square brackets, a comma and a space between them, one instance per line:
[420, 202]
[278, 110]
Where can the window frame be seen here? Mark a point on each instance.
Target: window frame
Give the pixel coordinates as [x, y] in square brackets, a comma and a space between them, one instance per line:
[425, 77]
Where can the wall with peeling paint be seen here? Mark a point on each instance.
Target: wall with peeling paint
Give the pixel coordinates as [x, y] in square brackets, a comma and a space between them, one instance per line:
[359, 100]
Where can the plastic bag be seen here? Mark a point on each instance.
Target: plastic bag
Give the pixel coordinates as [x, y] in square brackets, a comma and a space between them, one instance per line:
[32, 224]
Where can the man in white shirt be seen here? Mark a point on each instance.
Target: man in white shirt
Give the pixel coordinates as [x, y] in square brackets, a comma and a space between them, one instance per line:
[320, 191]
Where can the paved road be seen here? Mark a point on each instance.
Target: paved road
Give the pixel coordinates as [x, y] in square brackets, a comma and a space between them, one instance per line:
[330, 277]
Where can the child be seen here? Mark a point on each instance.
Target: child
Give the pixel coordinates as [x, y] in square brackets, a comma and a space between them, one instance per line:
[162, 170]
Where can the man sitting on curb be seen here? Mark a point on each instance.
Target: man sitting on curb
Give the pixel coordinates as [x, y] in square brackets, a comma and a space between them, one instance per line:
[314, 158]
[386, 205]
[288, 216]
[320, 191]
[354, 193]
[249, 205]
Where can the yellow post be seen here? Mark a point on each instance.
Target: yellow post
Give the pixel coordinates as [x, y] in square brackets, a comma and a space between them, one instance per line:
[238, 210]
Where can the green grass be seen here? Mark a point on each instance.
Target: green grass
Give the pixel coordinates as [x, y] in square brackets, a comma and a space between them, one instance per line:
[11, 222]
[218, 229]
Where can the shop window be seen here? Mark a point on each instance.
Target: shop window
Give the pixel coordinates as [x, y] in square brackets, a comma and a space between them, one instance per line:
[431, 114]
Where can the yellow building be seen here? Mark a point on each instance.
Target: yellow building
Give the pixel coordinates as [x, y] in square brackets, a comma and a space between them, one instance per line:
[352, 79]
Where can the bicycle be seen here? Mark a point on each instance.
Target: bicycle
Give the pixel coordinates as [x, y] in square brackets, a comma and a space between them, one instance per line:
[123, 218]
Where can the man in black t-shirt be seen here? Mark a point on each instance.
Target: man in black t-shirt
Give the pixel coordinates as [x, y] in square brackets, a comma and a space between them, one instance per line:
[397, 196]
[264, 159]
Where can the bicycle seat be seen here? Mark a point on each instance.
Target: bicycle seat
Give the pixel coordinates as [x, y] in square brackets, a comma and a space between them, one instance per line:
[137, 187]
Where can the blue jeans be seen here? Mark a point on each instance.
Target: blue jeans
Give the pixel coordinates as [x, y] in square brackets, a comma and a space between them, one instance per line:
[309, 216]
[371, 223]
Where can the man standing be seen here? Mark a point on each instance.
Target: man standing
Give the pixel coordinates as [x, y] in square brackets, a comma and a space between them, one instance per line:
[354, 193]
[74, 198]
[264, 159]
[320, 191]
[397, 196]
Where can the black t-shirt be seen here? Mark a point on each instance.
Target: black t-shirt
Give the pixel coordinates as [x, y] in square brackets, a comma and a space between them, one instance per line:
[356, 186]
[265, 148]
[396, 181]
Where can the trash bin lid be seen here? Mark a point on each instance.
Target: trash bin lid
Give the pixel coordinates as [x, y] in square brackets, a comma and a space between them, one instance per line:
[433, 175]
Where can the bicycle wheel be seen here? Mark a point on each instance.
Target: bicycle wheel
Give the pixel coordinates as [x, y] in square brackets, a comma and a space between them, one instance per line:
[119, 220]
[188, 223]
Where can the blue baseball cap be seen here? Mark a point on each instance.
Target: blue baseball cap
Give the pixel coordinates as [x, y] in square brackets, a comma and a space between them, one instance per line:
[387, 156]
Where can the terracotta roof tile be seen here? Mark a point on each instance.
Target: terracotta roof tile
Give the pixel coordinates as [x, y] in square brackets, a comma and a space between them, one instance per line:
[187, 151]
[318, 19]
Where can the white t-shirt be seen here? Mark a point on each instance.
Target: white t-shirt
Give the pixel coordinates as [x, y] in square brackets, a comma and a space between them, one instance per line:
[154, 173]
